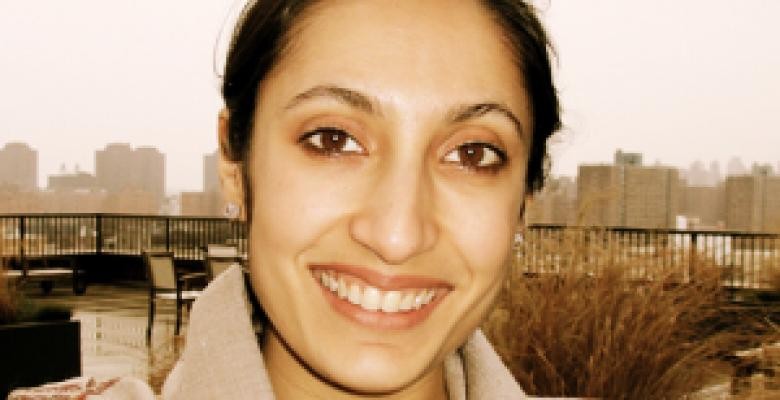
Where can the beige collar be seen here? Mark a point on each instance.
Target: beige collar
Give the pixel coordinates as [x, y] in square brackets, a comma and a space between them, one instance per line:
[222, 360]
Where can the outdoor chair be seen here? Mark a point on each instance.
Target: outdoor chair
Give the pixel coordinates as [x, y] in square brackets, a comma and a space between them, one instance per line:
[165, 284]
[216, 265]
[221, 250]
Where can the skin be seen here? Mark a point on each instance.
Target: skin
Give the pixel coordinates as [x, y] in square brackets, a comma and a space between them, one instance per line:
[397, 196]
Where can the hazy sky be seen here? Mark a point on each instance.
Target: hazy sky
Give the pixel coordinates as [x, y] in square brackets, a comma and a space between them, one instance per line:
[678, 80]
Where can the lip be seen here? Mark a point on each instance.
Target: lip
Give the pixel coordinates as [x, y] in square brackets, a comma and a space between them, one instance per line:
[384, 281]
[378, 319]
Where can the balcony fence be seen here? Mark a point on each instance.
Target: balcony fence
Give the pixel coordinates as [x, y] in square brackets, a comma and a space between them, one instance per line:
[746, 260]
[48, 235]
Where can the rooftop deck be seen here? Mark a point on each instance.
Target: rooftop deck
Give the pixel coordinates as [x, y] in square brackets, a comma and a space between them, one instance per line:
[113, 323]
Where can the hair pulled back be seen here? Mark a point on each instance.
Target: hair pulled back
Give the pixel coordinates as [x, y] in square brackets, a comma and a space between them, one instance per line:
[264, 29]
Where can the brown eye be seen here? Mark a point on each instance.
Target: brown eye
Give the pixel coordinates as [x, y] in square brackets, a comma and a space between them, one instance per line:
[477, 156]
[331, 141]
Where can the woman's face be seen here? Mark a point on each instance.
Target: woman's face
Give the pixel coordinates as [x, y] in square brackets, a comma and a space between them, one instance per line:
[387, 168]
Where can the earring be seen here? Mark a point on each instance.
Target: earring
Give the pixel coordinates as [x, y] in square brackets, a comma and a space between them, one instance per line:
[232, 210]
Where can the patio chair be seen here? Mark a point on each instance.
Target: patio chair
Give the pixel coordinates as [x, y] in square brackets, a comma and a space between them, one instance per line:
[221, 250]
[164, 284]
[217, 265]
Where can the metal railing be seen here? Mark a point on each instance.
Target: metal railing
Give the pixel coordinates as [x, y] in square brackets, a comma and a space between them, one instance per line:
[48, 235]
[745, 260]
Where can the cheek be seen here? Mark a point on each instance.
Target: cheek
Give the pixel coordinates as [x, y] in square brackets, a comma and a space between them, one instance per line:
[481, 227]
[293, 204]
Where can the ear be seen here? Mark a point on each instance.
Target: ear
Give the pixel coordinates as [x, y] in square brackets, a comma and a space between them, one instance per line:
[231, 176]
[528, 199]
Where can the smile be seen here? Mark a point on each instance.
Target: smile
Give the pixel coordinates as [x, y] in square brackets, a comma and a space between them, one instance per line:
[380, 301]
[371, 298]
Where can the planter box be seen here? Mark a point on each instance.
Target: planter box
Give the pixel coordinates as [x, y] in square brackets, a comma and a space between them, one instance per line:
[35, 353]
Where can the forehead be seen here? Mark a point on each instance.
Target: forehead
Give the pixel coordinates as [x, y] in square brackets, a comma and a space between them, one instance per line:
[422, 48]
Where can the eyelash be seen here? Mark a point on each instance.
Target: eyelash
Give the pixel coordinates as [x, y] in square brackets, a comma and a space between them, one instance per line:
[313, 141]
[491, 168]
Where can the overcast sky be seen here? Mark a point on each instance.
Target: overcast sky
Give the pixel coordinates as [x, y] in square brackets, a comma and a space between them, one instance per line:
[678, 80]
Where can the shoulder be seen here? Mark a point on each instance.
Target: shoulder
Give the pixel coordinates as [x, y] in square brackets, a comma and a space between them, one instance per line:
[77, 388]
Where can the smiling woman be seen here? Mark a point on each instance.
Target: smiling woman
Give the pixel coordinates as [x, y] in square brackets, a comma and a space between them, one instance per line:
[381, 152]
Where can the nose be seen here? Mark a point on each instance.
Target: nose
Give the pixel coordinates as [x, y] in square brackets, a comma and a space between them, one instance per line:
[396, 222]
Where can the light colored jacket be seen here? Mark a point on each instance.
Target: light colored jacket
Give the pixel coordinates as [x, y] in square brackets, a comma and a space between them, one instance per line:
[222, 360]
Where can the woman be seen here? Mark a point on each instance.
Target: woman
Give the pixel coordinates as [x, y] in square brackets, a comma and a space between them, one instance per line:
[381, 152]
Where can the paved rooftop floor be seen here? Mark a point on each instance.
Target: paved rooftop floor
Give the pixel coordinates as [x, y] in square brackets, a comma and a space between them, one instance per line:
[113, 325]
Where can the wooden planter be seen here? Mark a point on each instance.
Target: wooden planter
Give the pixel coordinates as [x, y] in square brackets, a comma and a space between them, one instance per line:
[35, 353]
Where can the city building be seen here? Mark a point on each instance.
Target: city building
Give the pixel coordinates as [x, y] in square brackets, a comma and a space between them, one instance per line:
[599, 195]
[554, 204]
[72, 181]
[201, 204]
[753, 202]
[121, 169]
[211, 172]
[628, 194]
[744, 198]
[704, 206]
[650, 196]
[772, 204]
[19, 166]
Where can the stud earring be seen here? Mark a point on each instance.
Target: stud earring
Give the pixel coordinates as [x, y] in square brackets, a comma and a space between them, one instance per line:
[232, 210]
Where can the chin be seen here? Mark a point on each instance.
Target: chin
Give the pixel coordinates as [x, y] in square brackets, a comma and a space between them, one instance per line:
[374, 373]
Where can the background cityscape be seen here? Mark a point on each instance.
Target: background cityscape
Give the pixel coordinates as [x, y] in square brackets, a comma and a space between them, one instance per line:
[625, 193]
[126, 180]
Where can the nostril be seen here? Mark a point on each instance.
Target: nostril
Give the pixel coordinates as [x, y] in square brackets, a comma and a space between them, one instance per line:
[393, 237]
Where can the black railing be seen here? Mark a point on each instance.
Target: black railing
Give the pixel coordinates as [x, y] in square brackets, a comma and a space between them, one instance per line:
[745, 260]
[748, 260]
[47, 235]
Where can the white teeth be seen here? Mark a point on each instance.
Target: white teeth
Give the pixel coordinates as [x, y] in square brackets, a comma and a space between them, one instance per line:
[419, 300]
[354, 294]
[371, 300]
[390, 301]
[429, 296]
[324, 279]
[342, 288]
[407, 302]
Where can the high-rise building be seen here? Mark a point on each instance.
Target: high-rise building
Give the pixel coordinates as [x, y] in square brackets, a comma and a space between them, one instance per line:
[772, 204]
[628, 194]
[120, 168]
[697, 175]
[744, 202]
[736, 167]
[151, 172]
[554, 204]
[704, 206]
[210, 172]
[115, 166]
[19, 166]
[623, 158]
[599, 195]
[650, 196]
[715, 176]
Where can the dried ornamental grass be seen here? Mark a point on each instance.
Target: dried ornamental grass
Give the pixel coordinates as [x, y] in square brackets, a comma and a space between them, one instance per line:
[600, 334]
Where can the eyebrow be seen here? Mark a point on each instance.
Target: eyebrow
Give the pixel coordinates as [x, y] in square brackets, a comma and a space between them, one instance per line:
[349, 97]
[472, 111]
[369, 105]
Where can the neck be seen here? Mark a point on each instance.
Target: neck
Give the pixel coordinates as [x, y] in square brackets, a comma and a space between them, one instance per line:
[292, 380]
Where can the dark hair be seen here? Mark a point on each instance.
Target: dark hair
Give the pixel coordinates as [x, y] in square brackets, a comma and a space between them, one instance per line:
[262, 34]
